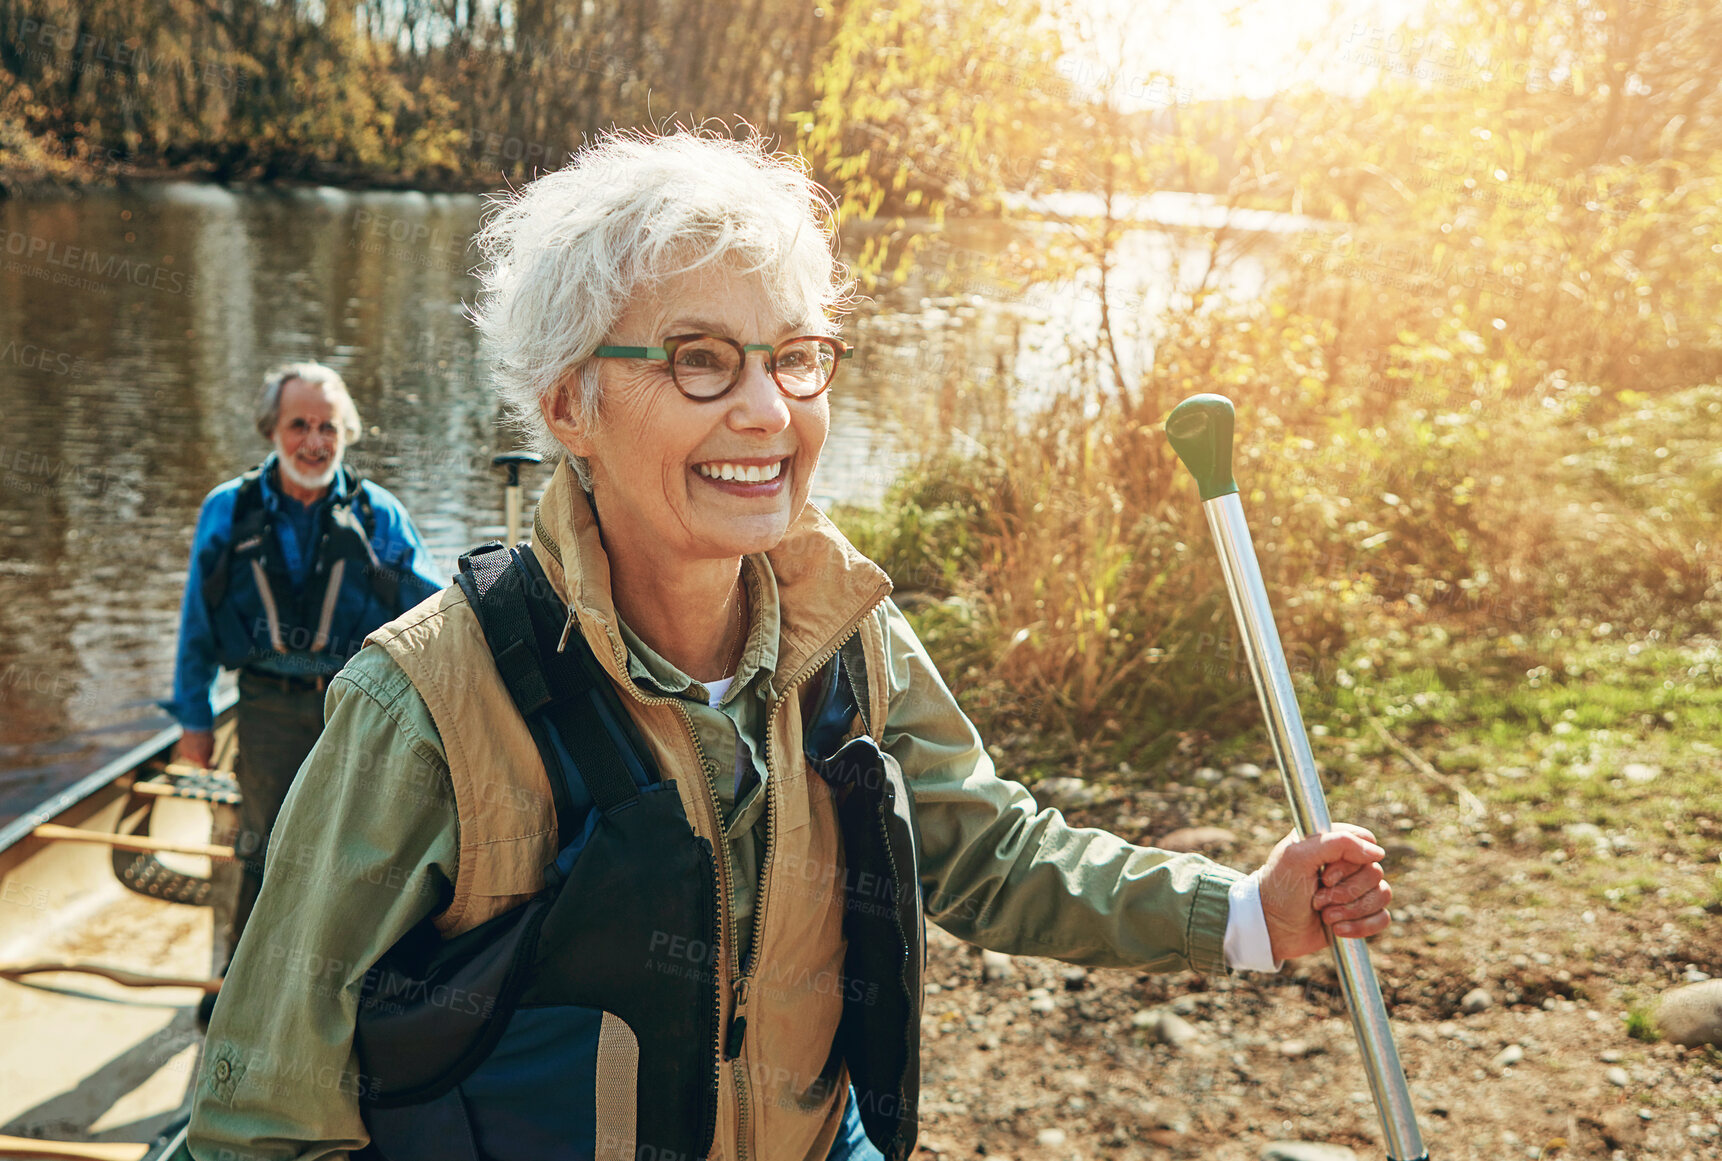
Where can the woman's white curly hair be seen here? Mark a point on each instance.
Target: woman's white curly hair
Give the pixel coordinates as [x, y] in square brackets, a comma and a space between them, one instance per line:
[565, 255]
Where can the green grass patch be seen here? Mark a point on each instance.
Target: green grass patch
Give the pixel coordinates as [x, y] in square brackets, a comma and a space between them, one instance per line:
[1640, 1025]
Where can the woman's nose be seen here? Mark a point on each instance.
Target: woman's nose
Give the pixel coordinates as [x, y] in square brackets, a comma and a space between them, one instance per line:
[759, 402]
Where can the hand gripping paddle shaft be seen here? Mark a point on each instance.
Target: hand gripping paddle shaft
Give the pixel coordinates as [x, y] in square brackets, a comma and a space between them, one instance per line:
[1200, 429]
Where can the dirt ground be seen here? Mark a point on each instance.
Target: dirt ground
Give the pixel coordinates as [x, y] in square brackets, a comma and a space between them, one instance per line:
[1053, 1063]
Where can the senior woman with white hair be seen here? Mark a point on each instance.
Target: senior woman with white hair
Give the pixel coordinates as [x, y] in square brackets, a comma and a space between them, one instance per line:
[799, 784]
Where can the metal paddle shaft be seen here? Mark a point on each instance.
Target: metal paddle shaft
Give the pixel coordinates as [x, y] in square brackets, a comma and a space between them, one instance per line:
[1200, 429]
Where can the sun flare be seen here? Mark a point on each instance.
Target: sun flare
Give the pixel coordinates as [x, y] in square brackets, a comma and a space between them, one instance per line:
[1167, 51]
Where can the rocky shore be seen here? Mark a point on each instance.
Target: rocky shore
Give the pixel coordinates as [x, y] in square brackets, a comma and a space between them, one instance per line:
[1519, 1026]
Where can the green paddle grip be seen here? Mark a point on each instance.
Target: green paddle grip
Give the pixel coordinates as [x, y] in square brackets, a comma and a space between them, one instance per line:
[1200, 429]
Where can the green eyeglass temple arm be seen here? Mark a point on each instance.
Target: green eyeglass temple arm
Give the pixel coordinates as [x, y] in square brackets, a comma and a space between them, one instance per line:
[848, 352]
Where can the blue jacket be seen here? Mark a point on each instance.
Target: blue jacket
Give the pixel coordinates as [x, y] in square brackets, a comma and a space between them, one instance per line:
[205, 646]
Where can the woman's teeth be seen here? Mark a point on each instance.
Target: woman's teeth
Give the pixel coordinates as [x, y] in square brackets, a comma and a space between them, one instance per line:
[746, 473]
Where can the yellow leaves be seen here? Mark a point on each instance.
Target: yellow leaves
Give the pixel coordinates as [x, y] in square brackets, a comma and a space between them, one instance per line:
[905, 265]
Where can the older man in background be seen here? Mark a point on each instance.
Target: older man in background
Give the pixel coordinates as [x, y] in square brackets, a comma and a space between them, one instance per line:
[293, 563]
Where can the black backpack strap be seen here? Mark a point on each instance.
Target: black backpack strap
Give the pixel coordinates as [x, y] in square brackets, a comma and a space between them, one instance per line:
[481, 574]
[548, 688]
[360, 501]
[594, 726]
[248, 522]
[497, 593]
[384, 576]
[574, 667]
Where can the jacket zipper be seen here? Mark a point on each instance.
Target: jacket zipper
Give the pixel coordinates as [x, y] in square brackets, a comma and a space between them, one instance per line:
[911, 1028]
[720, 861]
[745, 981]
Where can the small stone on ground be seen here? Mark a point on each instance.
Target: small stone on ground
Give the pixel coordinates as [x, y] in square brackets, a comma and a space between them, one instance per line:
[1175, 1030]
[1306, 1151]
[1691, 1014]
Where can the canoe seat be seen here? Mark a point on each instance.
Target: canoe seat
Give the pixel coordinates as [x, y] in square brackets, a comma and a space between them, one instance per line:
[129, 842]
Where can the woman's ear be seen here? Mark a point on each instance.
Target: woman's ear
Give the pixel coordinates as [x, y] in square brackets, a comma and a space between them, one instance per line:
[561, 414]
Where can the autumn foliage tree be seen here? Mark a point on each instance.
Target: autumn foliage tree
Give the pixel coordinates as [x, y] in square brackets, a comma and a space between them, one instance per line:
[384, 92]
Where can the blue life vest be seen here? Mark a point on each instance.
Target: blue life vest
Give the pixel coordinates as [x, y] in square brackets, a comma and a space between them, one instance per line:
[258, 611]
[580, 1021]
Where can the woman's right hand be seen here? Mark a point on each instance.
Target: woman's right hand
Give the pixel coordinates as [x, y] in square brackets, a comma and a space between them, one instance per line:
[195, 747]
[1332, 878]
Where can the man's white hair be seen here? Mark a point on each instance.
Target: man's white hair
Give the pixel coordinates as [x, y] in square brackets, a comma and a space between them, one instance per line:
[268, 412]
[565, 256]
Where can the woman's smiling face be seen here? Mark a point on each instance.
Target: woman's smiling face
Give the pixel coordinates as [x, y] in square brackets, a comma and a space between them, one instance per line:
[659, 459]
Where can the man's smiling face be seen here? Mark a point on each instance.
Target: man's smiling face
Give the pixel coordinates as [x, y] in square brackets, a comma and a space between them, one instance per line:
[308, 436]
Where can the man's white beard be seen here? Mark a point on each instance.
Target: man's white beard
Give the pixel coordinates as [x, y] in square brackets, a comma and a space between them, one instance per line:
[314, 483]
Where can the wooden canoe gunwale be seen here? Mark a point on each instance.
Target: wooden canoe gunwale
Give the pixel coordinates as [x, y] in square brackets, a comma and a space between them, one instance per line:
[22, 828]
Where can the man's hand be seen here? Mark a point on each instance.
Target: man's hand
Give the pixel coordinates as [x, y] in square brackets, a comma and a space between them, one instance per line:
[1331, 877]
[196, 747]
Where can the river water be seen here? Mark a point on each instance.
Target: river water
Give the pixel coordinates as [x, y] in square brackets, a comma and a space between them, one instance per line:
[135, 327]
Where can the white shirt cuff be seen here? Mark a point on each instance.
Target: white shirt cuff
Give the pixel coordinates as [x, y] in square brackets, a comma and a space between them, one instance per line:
[1248, 946]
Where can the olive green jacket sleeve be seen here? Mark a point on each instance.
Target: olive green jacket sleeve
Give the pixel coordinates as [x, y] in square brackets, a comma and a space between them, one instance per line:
[999, 872]
[365, 846]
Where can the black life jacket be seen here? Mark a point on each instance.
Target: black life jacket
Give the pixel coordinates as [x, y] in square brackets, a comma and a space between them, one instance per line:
[585, 1022]
[257, 609]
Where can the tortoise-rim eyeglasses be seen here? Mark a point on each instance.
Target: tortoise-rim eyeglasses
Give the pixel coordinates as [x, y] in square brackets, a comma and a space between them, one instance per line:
[707, 367]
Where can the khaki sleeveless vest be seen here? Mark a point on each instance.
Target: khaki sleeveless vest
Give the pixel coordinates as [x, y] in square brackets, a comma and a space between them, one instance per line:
[771, 1105]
